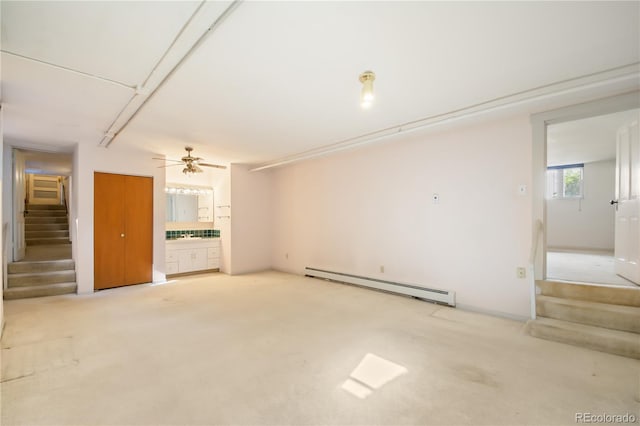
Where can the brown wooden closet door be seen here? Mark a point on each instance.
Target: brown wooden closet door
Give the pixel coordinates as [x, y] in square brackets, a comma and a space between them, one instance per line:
[108, 227]
[138, 229]
[123, 230]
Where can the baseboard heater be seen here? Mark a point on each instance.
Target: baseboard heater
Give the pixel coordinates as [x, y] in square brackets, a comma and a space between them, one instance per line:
[440, 296]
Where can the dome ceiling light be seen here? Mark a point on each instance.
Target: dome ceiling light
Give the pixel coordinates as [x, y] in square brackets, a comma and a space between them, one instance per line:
[366, 97]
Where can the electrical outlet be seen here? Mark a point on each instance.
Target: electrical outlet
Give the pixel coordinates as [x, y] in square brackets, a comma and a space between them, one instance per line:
[522, 272]
[382, 269]
[522, 189]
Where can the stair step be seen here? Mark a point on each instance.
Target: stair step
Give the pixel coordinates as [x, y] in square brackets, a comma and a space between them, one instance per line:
[39, 278]
[46, 234]
[46, 213]
[33, 219]
[46, 227]
[600, 339]
[614, 295]
[40, 291]
[615, 317]
[40, 266]
[45, 207]
[43, 241]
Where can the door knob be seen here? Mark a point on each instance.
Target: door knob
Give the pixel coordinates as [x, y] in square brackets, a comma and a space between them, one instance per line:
[122, 235]
[612, 202]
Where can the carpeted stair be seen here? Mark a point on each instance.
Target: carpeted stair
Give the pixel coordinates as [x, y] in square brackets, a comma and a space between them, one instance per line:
[604, 318]
[44, 225]
[40, 278]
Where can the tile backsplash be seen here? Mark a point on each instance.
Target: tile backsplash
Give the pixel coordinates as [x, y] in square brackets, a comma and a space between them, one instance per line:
[203, 233]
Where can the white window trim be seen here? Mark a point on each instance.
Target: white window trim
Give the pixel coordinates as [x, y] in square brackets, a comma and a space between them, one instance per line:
[559, 184]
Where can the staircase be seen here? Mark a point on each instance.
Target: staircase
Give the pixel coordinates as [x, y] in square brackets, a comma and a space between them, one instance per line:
[47, 227]
[603, 318]
[46, 224]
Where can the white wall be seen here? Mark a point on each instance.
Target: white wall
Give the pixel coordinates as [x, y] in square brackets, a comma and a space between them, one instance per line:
[3, 270]
[116, 159]
[2, 246]
[586, 223]
[355, 211]
[251, 220]
[222, 201]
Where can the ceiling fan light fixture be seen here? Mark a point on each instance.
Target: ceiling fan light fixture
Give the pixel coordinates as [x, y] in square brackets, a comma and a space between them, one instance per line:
[191, 164]
[366, 96]
[190, 168]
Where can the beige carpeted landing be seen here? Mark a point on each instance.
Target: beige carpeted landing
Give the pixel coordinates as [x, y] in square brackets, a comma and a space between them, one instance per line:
[277, 349]
[587, 267]
[47, 252]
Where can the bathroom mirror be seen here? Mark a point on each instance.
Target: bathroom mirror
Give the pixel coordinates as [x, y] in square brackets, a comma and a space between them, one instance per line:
[189, 204]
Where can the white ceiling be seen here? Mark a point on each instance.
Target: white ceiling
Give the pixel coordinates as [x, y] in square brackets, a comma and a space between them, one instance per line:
[586, 140]
[279, 78]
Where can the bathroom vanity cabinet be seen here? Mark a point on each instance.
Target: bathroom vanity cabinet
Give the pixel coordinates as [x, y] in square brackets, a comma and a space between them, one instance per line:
[192, 255]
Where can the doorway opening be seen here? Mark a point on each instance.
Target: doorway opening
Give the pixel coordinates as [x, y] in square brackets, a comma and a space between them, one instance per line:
[38, 233]
[584, 180]
[41, 201]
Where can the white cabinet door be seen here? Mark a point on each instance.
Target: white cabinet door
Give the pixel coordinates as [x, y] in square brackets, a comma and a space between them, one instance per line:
[184, 261]
[213, 252]
[199, 259]
[171, 256]
[171, 268]
[192, 259]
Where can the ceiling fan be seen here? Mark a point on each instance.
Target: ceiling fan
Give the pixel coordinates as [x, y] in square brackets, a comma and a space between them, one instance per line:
[191, 164]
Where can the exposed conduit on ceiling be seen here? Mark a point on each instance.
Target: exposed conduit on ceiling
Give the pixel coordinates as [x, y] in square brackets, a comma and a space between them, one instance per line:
[625, 73]
[146, 91]
[139, 91]
[60, 67]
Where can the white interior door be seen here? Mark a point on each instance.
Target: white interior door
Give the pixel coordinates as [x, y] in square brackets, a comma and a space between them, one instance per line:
[19, 192]
[627, 203]
[44, 189]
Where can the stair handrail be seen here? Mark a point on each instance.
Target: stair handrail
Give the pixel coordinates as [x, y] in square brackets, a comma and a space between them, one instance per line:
[535, 243]
[27, 190]
[537, 232]
[64, 195]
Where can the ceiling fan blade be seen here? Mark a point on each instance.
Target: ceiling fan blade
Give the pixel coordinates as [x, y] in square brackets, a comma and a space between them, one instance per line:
[217, 166]
[167, 159]
[169, 165]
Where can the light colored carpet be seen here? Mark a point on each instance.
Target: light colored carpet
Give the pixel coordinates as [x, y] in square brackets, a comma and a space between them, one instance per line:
[279, 349]
[584, 267]
[48, 252]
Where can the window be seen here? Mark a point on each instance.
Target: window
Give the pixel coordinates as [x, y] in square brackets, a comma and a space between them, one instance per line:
[565, 181]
